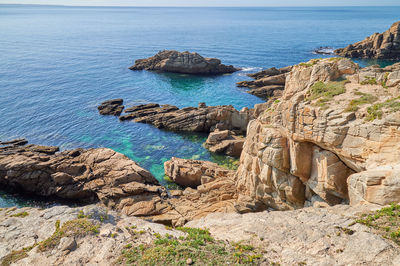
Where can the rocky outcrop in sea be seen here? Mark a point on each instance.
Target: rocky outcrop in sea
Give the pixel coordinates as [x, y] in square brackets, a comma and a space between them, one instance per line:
[185, 63]
[194, 119]
[384, 45]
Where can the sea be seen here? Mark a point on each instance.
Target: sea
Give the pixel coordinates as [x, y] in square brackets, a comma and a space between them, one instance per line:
[58, 63]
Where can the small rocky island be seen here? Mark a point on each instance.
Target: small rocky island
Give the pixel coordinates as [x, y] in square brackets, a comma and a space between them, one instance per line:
[185, 63]
[384, 45]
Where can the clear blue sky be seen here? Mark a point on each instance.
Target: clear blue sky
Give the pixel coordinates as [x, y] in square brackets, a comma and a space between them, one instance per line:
[209, 2]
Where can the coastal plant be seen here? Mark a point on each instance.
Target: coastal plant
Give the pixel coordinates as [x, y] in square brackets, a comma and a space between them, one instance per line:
[385, 79]
[77, 228]
[369, 81]
[20, 215]
[377, 110]
[324, 92]
[310, 63]
[197, 246]
[385, 222]
[365, 98]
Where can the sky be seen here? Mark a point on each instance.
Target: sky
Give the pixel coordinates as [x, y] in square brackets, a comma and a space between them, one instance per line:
[208, 2]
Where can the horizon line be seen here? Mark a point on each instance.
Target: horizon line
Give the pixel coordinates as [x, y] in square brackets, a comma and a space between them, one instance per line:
[21, 4]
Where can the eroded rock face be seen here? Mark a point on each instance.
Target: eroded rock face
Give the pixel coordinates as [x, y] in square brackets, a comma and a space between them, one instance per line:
[192, 173]
[225, 142]
[268, 83]
[196, 119]
[85, 175]
[186, 62]
[384, 45]
[302, 149]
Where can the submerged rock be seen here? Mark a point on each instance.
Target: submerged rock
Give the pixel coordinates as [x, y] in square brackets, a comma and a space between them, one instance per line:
[186, 63]
[384, 45]
[111, 107]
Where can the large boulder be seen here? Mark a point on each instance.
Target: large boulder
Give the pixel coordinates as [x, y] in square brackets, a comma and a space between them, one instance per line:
[192, 173]
[225, 142]
[186, 63]
[384, 45]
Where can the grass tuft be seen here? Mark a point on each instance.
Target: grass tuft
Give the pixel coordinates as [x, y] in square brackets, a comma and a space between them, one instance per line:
[364, 99]
[20, 215]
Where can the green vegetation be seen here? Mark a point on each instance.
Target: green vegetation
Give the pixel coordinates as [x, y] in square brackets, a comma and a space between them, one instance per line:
[385, 221]
[325, 92]
[310, 63]
[21, 214]
[364, 99]
[77, 228]
[369, 81]
[15, 256]
[198, 246]
[385, 79]
[376, 111]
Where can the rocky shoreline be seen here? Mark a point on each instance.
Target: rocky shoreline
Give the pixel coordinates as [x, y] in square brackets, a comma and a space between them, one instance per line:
[324, 148]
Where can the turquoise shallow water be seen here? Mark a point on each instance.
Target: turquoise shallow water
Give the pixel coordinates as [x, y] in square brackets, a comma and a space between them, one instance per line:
[59, 63]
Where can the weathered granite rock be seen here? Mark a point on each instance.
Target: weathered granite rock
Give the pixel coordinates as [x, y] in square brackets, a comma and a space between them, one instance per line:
[380, 185]
[192, 173]
[111, 107]
[225, 142]
[309, 236]
[268, 83]
[186, 62]
[384, 45]
[301, 150]
[85, 175]
[201, 119]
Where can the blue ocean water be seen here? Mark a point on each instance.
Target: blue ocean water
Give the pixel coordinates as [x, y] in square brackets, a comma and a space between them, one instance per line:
[58, 63]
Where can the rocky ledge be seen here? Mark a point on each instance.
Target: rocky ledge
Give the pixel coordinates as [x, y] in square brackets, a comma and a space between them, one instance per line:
[384, 45]
[225, 142]
[185, 63]
[92, 235]
[195, 119]
[268, 83]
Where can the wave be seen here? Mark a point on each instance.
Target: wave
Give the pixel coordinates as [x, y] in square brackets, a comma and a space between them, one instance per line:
[250, 69]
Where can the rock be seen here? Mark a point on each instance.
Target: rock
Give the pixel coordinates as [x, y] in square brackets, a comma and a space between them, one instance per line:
[384, 45]
[225, 142]
[111, 107]
[15, 142]
[301, 148]
[186, 63]
[379, 185]
[325, 50]
[85, 175]
[67, 243]
[310, 236]
[141, 107]
[191, 173]
[201, 119]
[268, 83]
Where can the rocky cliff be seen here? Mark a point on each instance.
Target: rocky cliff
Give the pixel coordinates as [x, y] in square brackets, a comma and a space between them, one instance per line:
[186, 63]
[333, 137]
[384, 45]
